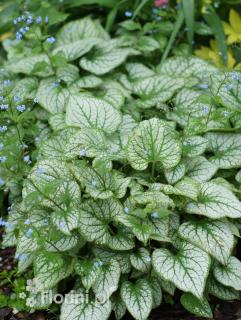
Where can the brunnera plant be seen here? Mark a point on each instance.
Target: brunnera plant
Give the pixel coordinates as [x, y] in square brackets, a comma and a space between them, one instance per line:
[135, 193]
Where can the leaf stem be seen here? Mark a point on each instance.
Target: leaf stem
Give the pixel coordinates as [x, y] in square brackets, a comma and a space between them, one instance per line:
[153, 170]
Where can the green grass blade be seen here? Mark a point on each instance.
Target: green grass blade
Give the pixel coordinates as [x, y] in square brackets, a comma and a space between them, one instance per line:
[189, 15]
[112, 16]
[177, 26]
[138, 9]
[216, 25]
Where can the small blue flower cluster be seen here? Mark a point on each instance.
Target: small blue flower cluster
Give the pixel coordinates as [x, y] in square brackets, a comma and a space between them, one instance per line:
[21, 108]
[26, 159]
[6, 224]
[21, 256]
[82, 152]
[3, 159]
[29, 233]
[128, 14]
[25, 22]
[51, 40]
[4, 106]
[98, 263]
[3, 129]
[154, 215]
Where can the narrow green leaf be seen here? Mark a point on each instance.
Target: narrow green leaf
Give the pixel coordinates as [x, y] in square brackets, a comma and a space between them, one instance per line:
[189, 15]
[177, 26]
[216, 25]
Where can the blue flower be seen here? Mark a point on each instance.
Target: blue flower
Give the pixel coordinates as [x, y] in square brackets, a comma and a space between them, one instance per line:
[27, 221]
[29, 20]
[128, 14]
[22, 30]
[19, 19]
[29, 233]
[203, 86]
[7, 82]
[21, 256]
[51, 40]
[27, 159]
[4, 106]
[154, 215]
[2, 222]
[15, 21]
[16, 98]
[206, 109]
[21, 108]
[226, 113]
[62, 225]
[98, 263]
[27, 28]
[46, 19]
[39, 20]
[56, 84]
[3, 159]
[19, 36]
[3, 128]
[126, 210]
[235, 76]
[82, 152]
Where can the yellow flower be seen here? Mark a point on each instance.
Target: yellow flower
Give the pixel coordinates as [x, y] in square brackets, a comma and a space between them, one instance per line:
[233, 30]
[212, 54]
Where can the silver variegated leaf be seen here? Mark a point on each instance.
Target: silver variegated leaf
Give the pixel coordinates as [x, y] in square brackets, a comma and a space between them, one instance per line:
[199, 307]
[74, 50]
[107, 281]
[95, 216]
[80, 29]
[194, 146]
[188, 269]
[26, 65]
[89, 112]
[214, 237]
[200, 169]
[52, 96]
[141, 259]
[153, 142]
[226, 148]
[215, 201]
[155, 90]
[220, 291]
[105, 58]
[230, 274]
[137, 298]
[49, 269]
[226, 88]
[77, 307]
[174, 174]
